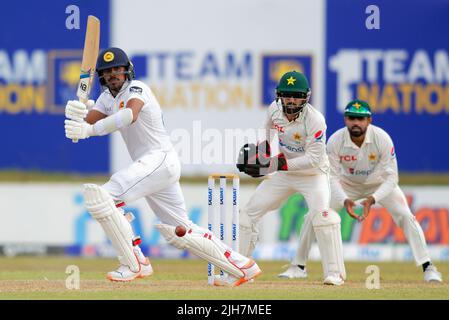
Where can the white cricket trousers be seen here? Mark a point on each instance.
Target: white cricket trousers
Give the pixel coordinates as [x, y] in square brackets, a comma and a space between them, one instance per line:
[154, 176]
[272, 192]
[396, 205]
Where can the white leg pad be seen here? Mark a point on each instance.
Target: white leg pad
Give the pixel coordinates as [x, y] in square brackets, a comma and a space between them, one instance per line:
[326, 225]
[102, 208]
[203, 244]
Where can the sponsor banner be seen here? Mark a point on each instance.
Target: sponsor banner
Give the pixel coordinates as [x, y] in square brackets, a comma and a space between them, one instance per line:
[51, 219]
[39, 71]
[351, 252]
[215, 82]
[400, 69]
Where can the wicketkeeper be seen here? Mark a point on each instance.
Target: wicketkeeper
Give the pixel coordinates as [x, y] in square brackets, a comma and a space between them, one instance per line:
[302, 166]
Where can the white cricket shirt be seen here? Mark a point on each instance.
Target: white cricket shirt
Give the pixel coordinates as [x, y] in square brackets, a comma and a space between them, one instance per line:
[373, 164]
[303, 141]
[147, 134]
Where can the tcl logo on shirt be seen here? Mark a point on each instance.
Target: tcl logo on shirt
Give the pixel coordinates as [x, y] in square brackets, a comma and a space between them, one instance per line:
[348, 158]
[279, 128]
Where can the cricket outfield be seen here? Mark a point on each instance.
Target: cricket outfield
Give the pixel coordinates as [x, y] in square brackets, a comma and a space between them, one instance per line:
[46, 278]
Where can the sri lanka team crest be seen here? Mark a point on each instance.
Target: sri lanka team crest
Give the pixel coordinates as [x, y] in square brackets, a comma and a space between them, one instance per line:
[274, 66]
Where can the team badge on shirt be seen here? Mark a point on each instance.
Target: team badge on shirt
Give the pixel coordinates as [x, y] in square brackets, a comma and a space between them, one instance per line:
[121, 105]
[372, 157]
[297, 136]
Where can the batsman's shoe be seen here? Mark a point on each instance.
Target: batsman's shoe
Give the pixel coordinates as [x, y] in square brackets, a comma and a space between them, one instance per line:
[124, 273]
[251, 270]
[334, 279]
[293, 272]
[145, 269]
[432, 275]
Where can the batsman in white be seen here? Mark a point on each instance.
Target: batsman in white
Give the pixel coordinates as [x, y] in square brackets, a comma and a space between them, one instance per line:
[129, 106]
[302, 166]
[364, 167]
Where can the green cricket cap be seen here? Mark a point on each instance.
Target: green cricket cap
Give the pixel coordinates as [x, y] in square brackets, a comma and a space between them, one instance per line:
[358, 108]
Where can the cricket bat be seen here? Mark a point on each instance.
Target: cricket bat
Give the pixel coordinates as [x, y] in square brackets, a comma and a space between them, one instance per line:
[90, 54]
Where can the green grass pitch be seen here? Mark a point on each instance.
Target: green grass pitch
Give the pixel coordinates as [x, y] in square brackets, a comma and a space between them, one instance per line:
[45, 278]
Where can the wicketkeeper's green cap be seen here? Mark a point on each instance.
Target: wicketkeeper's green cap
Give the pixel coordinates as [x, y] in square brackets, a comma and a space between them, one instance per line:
[358, 108]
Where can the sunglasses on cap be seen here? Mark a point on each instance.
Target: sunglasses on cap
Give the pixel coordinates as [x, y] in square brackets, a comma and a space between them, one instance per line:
[297, 95]
[352, 118]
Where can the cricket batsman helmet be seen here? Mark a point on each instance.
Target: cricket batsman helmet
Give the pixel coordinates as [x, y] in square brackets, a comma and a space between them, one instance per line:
[358, 108]
[293, 84]
[113, 57]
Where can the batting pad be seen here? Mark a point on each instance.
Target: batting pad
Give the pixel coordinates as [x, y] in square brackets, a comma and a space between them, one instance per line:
[102, 208]
[326, 225]
[203, 244]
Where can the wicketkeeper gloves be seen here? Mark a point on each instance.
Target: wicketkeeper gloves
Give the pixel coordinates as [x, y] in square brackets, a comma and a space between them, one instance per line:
[256, 161]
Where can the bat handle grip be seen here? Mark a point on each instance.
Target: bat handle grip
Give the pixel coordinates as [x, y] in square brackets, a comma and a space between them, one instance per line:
[76, 140]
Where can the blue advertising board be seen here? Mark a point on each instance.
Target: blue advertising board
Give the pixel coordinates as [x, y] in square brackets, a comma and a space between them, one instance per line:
[275, 65]
[40, 58]
[400, 69]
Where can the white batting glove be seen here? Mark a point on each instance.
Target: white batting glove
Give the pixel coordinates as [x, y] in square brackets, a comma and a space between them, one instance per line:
[78, 130]
[75, 110]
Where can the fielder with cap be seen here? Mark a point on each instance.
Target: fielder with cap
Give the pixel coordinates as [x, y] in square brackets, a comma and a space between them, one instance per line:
[302, 166]
[129, 106]
[364, 167]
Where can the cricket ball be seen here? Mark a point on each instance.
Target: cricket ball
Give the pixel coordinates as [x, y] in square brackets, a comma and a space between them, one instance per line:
[180, 231]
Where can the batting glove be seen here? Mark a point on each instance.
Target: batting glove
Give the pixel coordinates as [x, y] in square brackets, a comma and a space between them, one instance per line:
[78, 130]
[76, 110]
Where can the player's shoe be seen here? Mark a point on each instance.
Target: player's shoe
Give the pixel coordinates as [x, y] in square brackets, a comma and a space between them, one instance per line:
[145, 268]
[124, 273]
[251, 270]
[293, 272]
[334, 279]
[432, 275]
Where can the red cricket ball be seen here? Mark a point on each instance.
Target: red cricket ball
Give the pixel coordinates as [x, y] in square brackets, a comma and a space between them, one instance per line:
[180, 231]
